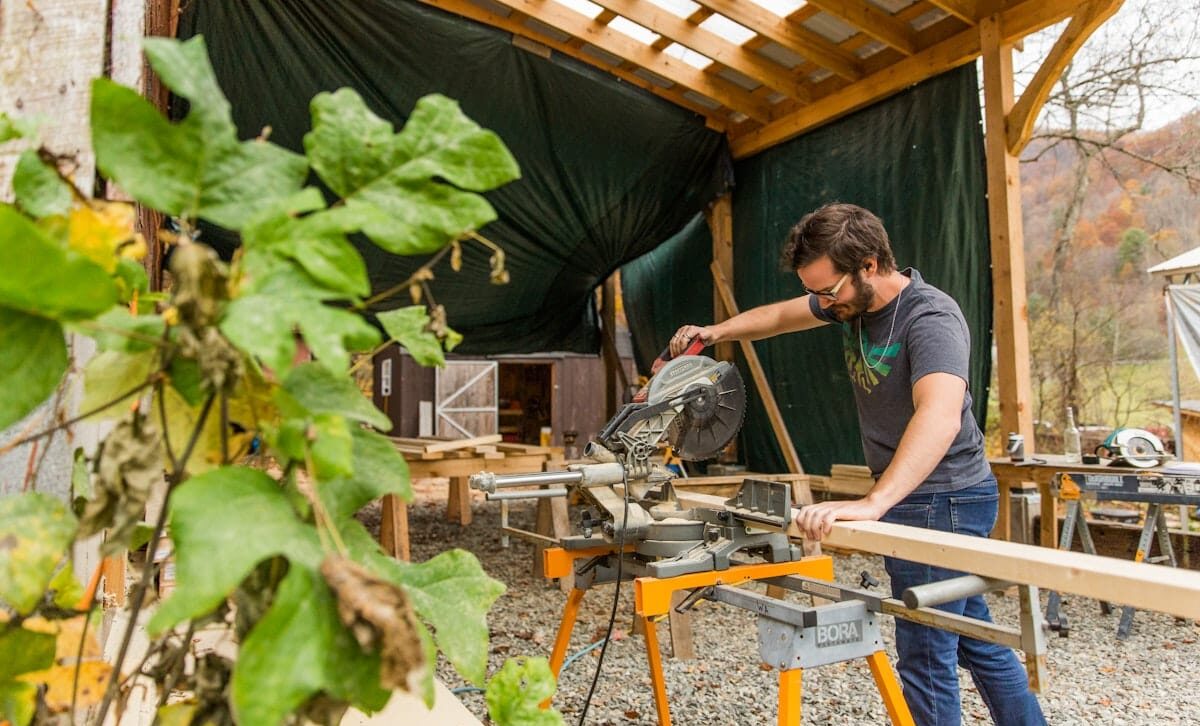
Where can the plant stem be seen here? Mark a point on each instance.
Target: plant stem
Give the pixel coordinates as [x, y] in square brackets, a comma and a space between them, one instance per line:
[407, 283]
[87, 414]
[148, 572]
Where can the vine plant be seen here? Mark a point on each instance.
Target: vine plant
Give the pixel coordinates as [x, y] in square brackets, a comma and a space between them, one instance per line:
[194, 379]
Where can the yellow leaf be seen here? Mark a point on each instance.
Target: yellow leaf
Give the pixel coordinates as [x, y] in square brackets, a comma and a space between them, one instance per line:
[67, 633]
[102, 231]
[60, 683]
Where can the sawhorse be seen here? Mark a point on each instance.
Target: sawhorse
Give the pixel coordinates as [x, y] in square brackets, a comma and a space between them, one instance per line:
[836, 632]
[1156, 523]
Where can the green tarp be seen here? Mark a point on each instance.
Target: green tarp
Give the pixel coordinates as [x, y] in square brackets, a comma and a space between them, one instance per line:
[916, 160]
[608, 170]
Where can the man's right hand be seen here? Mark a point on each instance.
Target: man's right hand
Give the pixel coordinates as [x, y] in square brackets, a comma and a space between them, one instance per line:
[683, 336]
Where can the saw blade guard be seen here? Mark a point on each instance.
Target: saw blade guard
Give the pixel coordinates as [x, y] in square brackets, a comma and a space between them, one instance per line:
[712, 409]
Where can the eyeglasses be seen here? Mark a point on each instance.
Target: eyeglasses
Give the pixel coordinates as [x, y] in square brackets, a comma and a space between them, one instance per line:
[831, 293]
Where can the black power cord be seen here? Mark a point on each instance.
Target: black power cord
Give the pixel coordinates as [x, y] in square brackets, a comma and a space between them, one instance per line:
[612, 616]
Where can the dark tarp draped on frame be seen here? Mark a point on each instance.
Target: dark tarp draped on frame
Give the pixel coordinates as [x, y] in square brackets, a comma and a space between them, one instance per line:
[917, 161]
[608, 170]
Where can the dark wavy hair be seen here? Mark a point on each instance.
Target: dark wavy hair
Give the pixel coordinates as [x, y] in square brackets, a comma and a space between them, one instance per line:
[847, 233]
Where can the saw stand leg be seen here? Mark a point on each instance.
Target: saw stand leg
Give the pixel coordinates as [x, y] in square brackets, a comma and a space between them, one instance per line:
[790, 692]
[1156, 521]
[1074, 518]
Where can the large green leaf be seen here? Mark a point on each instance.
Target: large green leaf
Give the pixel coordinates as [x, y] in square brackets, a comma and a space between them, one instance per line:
[392, 183]
[298, 648]
[35, 530]
[223, 523]
[18, 701]
[317, 242]
[112, 374]
[264, 326]
[515, 693]
[41, 277]
[39, 190]
[33, 358]
[196, 168]
[24, 651]
[378, 469]
[409, 327]
[318, 391]
[453, 593]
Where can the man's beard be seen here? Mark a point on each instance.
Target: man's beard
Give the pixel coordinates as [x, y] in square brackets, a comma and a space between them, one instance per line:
[864, 295]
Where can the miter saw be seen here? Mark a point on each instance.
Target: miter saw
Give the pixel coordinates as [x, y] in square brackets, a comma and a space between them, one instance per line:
[696, 405]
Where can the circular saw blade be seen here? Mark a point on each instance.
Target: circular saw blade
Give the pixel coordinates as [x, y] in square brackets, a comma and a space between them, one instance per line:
[708, 423]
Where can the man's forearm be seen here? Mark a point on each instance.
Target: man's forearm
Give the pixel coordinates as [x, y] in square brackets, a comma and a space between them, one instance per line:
[766, 320]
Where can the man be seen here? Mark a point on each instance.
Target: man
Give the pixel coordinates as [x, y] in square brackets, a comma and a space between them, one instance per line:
[907, 351]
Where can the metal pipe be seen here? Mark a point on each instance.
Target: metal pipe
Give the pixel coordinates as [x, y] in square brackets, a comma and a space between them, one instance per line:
[957, 588]
[526, 494]
[488, 482]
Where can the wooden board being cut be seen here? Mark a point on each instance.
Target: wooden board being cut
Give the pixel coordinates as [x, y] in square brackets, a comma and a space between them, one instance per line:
[1142, 585]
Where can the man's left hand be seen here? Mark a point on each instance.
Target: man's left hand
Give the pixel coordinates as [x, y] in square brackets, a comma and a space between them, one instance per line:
[816, 520]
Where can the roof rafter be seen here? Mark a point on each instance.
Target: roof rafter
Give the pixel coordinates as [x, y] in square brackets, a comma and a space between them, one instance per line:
[711, 45]
[716, 119]
[965, 10]
[674, 70]
[1016, 21]
[794, 37]
[874, 22]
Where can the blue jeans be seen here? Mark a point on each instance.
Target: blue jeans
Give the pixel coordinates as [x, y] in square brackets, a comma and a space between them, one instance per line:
[928, 656]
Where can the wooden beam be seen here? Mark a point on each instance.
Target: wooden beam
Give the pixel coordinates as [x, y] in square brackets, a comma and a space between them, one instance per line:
[600, 35]
[1015, 23]
[1025, 112]
[794, 37]
[1146, 587]
[716, 118]
[760, 378]
[873, 21]
[964, 10]
[707, 43]
[720, 225]
[1010, 312]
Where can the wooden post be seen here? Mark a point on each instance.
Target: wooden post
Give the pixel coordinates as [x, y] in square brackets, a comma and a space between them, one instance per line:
[720, 224]
[393, 527]
[721, 285]
[608, 324]
[1010, 317]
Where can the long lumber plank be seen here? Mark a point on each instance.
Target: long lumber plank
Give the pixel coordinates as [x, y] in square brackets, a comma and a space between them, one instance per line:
[1144, 586]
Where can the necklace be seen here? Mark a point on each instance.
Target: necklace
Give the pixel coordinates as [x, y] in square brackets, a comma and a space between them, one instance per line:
[892, 329]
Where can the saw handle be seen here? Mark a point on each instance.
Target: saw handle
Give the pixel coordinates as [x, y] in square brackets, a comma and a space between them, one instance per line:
[694, 346]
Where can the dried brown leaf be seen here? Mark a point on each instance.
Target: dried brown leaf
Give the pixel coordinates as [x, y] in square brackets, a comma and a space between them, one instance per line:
[379, 615]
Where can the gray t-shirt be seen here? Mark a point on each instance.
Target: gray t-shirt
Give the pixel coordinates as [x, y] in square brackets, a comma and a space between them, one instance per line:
[930, 336]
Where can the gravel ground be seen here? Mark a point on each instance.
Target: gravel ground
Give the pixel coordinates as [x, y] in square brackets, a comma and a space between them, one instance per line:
[1150, 678]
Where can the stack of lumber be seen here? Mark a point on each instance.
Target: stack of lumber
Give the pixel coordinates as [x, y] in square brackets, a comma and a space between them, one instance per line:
[846, 479]
[486, 447]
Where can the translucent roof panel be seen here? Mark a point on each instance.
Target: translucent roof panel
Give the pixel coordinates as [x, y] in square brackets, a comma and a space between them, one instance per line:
[727, 29]
[633, 30]
[583, 7]
[835, 30]
[682, 8]
[782, 8]
[892, 6]
[691, 57]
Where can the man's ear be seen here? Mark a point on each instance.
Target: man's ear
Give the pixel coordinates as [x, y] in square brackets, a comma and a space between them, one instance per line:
[870, 265]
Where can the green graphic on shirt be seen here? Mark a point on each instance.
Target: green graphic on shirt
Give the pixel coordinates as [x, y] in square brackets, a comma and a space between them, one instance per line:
[854, 345]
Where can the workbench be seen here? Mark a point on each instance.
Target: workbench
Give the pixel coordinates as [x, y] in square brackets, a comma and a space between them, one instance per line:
[1041, 471]
[456, 465]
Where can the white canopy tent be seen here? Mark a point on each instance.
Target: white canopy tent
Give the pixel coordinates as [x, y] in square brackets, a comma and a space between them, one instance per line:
[1182, 297]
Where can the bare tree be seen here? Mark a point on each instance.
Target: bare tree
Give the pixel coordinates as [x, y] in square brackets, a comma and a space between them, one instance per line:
[1144, 64]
